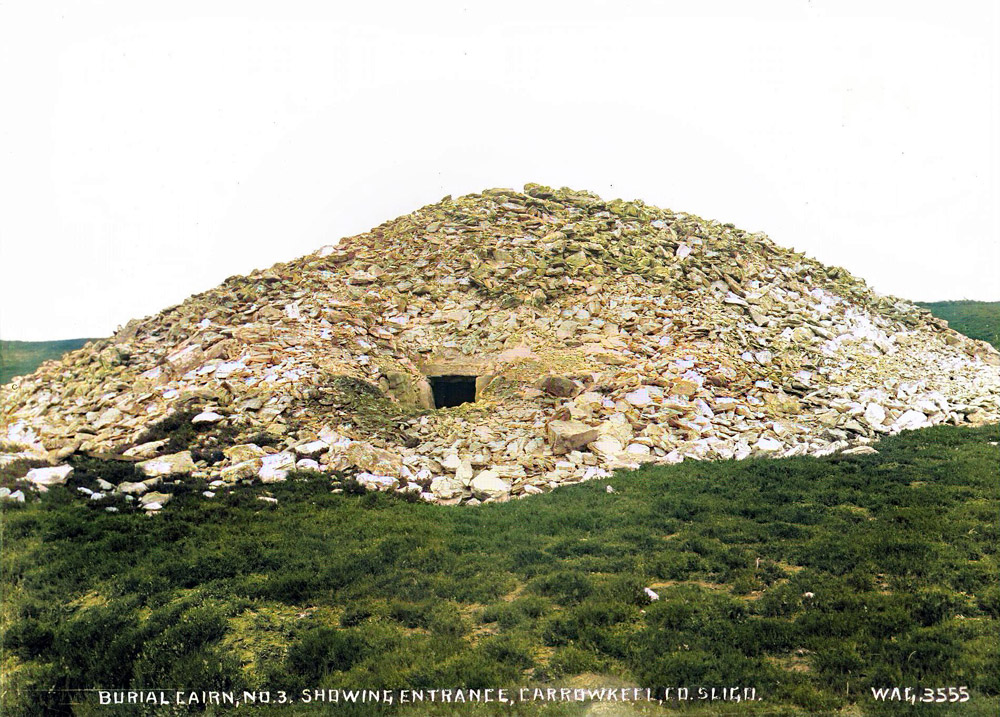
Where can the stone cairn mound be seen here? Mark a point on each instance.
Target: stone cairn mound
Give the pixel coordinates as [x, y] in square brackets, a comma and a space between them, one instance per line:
[576, 336]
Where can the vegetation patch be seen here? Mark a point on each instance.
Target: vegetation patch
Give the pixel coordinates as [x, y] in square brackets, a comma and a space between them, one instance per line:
[976, 319]
[809, 579]
[19, 358]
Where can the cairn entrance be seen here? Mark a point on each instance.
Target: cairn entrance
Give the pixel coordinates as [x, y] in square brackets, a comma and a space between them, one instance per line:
[452, 389]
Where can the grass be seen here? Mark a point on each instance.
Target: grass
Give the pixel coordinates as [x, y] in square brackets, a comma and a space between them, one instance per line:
[19, 358]
[978, 319]
[329, 590]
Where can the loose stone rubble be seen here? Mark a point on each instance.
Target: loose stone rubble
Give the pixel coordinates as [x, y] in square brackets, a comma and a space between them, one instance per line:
[602, 335]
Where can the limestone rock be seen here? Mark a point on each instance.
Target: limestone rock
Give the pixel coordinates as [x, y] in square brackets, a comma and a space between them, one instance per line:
[242, 470]
[43, 478]
[373, 460]
[311, 449]
[565, 436]
[558, 386]
[133, 487]
[447, 487]
[859, 451]
[488, 485]
[274, 468]
[173, 464]
[243, 452]
[145, 450]
[159, 498]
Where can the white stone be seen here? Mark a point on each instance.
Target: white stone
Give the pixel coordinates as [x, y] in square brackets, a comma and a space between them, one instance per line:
[311, 449]
[768, 445]
[910, 420]
[874, 414]
[375, 482]
[606, 446]
[43, 478]
[274, 468]
[487, 484]
[859, 451]
[639, 398]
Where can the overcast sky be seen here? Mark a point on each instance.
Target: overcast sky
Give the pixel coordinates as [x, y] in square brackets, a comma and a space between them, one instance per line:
[150, 150]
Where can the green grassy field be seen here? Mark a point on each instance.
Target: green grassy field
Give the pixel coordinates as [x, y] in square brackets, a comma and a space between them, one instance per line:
[811, 580]
[18, 358]
[978, 319]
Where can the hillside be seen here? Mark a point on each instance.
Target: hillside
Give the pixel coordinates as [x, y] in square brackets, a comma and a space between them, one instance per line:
[977, 319]
[20, 358]
[811, 579]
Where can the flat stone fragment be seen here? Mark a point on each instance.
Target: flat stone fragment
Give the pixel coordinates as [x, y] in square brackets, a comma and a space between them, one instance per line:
[859, 451]
[447, 487]
[145, 450]
[311, 449]
[133, 488]
[566, 436]
[373, 460]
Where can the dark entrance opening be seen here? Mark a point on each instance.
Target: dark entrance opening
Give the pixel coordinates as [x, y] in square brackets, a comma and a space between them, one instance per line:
[453, 390]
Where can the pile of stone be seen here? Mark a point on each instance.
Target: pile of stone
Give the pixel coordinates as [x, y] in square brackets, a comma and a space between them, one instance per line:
[598, 335]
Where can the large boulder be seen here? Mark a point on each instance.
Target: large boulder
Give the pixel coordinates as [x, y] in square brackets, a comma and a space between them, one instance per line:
[911, 420]
[137, 487]
[155, 497]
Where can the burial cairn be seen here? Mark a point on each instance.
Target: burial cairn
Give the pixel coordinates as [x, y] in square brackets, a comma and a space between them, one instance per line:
[499, 345]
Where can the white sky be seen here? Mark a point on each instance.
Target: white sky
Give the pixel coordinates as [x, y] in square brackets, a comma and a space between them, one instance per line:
[150, 150]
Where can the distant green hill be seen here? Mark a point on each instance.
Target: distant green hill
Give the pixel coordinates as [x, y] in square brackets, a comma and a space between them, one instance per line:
[18, 358]
[977, 319]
